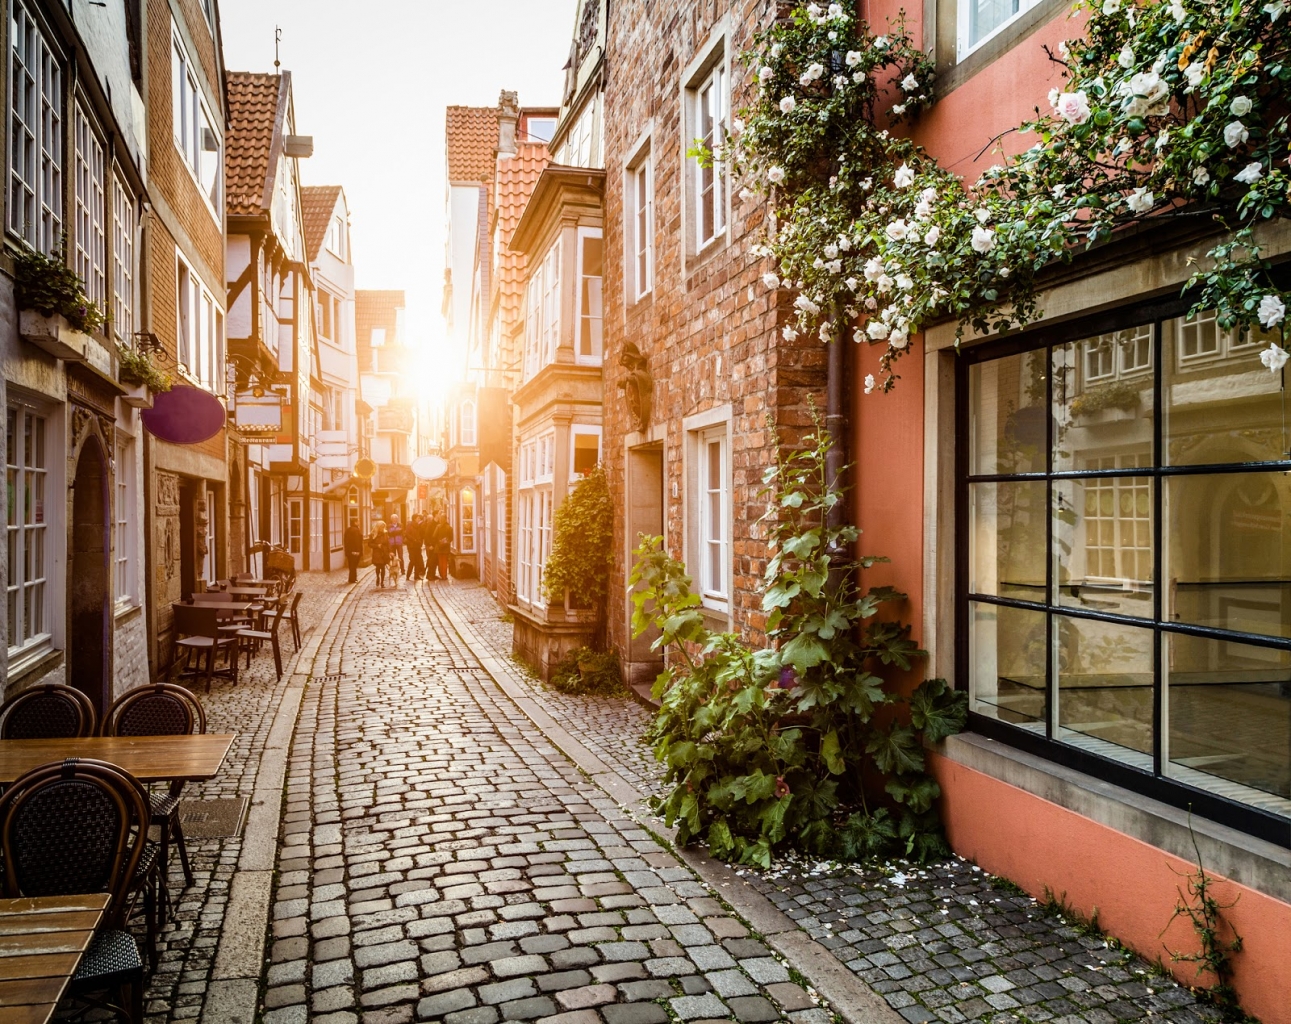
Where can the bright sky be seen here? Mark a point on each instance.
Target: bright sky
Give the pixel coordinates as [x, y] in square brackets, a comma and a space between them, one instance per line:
[371, 81]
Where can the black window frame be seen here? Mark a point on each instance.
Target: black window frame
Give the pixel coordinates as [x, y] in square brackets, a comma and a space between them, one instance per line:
[1246, 818]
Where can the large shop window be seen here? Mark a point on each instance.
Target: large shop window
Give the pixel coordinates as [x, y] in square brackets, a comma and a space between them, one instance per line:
[35, 135]
[26, 469]
[1125, 562]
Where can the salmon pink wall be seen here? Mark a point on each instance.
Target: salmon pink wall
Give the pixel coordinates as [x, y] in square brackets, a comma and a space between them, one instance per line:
[1133, 885]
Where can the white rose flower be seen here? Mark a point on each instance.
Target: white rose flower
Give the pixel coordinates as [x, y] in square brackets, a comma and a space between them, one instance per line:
[880, 42]
[789, 334]
[770, 280]
[840, 81]
[831, 251]
[928, 195]
[852, 283]
[853, 58]
[1064, 51]
[1241, 106]
[897, 230]
[1271, 312]
[1126, 57]
[899, 338]
[910, 83]
[826, 331]
[1250, 174]
[873, 269]
[775, 175]
[858, 76]
[1274, 357]
[1059, 191]
[904, 177]
[1073, 107]
[870, 383]
[1200, 176]
[1140, 200]
[922, 210]
[983, 240]
[870, 303]
[806, 305]
[814, 10]
[765, 74]
[818, 264]
[905, 282]
[776, 50]
[834, 266]
[1235, 134]
[787, 104]
[844, 243]
[815, 71]
[836, 13]
[1054, 93]
[1275, 10]
[1004, 271]
[898, 109]
[931, 238]
[1110, 7]
[1162, 139]
[884, 284]
[982, 215]
[1194, 73]
[1177, 12]
[877, 330]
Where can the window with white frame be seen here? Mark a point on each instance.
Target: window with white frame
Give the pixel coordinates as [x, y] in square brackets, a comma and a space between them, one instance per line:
[89, 181]
[585, 449]
[193, 127]
[378, 337]
[35, 134]
[712, 515]
[209, 566]
[466, 519]
[591, 266]
[295, 525]
[709, 102]
[336, 237]
[542, 313]
[200, 325]
[639, 227]
[979, 20]
[123, 272]
[537, 470]
[123, 517]
[581, 147]
[467, 414]
[30, 562]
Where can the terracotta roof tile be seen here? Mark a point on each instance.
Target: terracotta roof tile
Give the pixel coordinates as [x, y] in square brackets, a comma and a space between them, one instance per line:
[318, 203]
[472, 139]
[373, 308]
[253, 113]
[516, 178]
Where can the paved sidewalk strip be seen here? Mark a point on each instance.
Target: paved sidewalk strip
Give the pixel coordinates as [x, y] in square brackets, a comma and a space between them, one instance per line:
[945, 943]
[440, 860]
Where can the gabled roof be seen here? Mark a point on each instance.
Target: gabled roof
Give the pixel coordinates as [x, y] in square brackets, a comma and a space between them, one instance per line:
[515, 184]
[257, 110]
[471, 135]
[318, 204]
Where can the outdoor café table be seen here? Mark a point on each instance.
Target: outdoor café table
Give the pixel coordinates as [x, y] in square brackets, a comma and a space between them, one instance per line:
[42, 939]
[246, 591]
[148, 758]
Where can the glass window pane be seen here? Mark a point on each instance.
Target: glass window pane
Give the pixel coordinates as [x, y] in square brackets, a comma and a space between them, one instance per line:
[1221, 404]
[1229, 709]
[1102, 540]
[985, 16]
[1104, 673]
[1102, 397]
[1228, 551]
[1007, 539]
[1006, 402]
[1006, 664]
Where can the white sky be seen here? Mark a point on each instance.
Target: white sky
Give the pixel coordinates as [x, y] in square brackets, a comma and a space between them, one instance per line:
[371, 81]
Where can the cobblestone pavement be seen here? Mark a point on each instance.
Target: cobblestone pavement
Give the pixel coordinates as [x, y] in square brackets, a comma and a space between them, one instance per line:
[440, 860]
[947, 943]
[187, 944]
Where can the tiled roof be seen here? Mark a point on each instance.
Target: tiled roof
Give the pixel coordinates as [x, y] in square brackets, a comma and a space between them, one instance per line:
[318, 203]
[472, 139]
[254, 102]
[516, 179]
[376, 309]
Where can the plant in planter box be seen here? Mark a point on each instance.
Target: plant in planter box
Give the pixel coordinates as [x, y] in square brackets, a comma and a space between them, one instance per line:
[810, 739]
[580, 559]
[49, 286]
[136, 367]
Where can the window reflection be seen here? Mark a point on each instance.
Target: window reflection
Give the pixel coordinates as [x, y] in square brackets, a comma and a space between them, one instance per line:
[1006, 407]
[1007, 654]
[1102, 398]
[1104, 675]
[1102, 536]
[1006, 549]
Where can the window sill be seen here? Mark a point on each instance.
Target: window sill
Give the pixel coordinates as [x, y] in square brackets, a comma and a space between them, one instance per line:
[29, 666]
[699, 259]
[126, 610]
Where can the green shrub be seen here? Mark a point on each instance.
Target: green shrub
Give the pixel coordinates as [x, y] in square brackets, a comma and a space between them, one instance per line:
[49, 286]
[807, 740]
[581, 557]
[588, 672]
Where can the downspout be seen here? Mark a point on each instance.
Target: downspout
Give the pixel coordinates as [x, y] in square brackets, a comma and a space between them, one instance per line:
[836, 425]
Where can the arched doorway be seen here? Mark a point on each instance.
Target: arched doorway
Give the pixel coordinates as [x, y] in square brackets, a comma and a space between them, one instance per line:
[89, 589]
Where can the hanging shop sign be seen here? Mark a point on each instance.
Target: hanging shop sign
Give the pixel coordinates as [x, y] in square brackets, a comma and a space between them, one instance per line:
[184, 415]
[429, 467]
[365, 469]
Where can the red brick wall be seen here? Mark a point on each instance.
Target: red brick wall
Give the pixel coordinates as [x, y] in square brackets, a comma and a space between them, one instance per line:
[712, 335]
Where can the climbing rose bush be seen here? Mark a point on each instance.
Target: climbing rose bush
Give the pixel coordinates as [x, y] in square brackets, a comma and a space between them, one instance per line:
[1166, 110]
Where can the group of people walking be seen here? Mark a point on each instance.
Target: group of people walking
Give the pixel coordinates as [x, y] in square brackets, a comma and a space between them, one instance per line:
[432, 535]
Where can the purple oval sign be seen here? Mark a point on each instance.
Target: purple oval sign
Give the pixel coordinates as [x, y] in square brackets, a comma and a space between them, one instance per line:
[184, 415]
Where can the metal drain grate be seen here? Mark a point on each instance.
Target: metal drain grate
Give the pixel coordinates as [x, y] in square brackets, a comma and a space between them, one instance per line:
[212, 819]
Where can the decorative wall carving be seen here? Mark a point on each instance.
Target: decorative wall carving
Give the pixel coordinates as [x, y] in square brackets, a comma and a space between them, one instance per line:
[638, 388]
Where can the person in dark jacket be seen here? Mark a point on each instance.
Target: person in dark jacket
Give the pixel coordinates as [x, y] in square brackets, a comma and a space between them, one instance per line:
[380, 542]
[443, 544]
[353, 541]
[413, 537]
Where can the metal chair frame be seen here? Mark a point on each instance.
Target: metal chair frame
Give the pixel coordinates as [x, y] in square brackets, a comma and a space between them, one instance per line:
[197, 629]
[23, 703]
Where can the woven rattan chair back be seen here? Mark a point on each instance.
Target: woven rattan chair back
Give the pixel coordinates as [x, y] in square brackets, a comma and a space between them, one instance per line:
[157, 709]
[76, 826]
[46, 712]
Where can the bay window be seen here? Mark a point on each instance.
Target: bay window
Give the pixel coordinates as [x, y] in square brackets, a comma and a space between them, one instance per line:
[542, 312]
[35, 134]
[1125, 562]
[537, 472]
[588, 345]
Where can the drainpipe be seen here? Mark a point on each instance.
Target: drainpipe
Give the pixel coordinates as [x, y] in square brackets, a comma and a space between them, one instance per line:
[836, 423]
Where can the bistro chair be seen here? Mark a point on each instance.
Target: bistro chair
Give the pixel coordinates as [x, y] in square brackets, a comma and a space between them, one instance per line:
[293, 617]
[160, 709]
[197, 631]
[80, 826]
[250, 636]
[45, 712]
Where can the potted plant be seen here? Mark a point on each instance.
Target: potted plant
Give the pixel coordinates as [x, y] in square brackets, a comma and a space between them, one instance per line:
[54, 312]
[141, 377]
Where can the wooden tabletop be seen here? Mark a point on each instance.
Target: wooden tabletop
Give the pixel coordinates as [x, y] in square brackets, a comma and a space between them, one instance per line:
[147, 758]
[246, 591]
[42, 940]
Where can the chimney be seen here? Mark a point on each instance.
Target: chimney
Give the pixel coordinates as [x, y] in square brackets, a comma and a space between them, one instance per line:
[508, 115]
